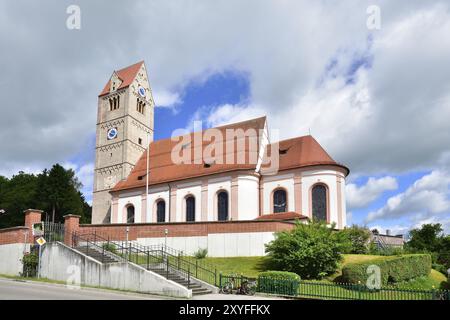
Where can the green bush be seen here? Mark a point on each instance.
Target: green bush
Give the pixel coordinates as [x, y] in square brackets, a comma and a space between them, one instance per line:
[30, 263]
[278, 282]
[439, 267]
[393, 269]
[110, 247]
[201, 253]
[389, 251]
[358, 239]
[312, 251]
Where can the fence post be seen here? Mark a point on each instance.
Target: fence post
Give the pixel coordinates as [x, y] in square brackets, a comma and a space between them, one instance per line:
[167, 267]
[148, 259]
[189, 276]
[196, 268]
[178, 263]
[220, 280]
[215, 277]
[359, 290]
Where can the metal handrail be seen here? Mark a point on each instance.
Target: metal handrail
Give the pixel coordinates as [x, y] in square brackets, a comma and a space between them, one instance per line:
[174, 259]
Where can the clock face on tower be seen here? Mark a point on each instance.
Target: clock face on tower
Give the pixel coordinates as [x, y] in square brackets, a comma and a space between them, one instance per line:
[112, 133]
[141, 91]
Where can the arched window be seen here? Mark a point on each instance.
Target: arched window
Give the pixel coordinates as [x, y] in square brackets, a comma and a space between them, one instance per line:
[161, 211]
[190, 208]
[130, 214]
[279, 201]
[319, 202]
[222, 206]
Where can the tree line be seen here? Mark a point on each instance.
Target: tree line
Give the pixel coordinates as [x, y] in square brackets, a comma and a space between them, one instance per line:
[55, 191]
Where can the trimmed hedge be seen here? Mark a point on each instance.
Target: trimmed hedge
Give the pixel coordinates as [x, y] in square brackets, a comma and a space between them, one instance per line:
[278, 282]
[393, 269]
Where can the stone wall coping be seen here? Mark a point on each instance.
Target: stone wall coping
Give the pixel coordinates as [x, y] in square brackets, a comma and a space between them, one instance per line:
[14, 228]
[183, 223]
[33, 210]
[71, 216]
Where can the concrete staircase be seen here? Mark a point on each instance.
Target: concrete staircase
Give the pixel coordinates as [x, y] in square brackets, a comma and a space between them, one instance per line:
[196, 288]
[97, 254]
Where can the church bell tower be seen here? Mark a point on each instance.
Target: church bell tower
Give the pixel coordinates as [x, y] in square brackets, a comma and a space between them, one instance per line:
[124, 131]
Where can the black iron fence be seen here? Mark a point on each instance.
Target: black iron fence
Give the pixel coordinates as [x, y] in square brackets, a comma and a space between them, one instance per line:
[344, 291]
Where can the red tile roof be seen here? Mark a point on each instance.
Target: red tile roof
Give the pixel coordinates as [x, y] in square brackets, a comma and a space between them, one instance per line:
[127, 76]
[282, 216]
[294, 153]
[162, 169]
[303, 152]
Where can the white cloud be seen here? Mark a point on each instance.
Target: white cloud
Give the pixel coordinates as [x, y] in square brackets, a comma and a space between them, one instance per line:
[166, 99]
[428, 197]
[359, 197]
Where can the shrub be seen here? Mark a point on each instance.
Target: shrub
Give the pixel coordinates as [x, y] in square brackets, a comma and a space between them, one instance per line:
[201, 253]
[358, 239]
[439, 267]
[278, 282]
[309, 250]
[110, 247]
[30, 263]
[389, 251]
[393, 269]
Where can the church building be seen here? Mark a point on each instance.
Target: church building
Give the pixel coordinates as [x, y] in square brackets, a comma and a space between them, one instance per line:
[229, 173]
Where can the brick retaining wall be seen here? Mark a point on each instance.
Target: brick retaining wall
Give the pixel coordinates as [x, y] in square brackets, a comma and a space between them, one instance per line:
[182, 229]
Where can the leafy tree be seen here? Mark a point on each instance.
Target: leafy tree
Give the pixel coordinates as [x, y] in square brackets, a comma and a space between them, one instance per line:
[55, 191]
[359, 239]
[311, 250]
[59, 192]
[430, 238]
[426, 238]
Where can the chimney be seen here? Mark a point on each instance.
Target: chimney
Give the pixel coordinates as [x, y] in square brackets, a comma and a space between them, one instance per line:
[388, 232]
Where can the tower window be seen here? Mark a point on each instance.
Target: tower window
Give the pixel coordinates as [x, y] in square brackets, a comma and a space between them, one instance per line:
[140, 106]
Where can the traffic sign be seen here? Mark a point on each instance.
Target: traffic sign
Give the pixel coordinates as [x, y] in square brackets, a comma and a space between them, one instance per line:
[41, 241]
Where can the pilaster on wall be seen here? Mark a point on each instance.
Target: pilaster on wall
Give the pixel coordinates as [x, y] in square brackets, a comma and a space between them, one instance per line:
[32, 216]
[173, 204]
[71, 226]
[204, 200]
[298, 192]
[234, 198]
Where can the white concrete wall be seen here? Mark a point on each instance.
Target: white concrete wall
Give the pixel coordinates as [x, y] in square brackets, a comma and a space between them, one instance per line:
[62, 263]
[248, 197]
[245, 244]
[271, 183]
[10, 258]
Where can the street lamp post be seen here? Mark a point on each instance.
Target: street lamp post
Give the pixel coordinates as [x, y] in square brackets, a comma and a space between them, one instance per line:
[166, 232]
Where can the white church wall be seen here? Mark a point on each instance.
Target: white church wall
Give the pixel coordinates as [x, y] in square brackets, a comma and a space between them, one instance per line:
[248, 197]
[126, 199]
[215, 185]
[154, 195]
[184, 189]
[327, 177]
[271, 183]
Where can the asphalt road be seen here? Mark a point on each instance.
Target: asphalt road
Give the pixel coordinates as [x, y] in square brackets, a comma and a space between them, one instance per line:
[28, 290]
[11, 289]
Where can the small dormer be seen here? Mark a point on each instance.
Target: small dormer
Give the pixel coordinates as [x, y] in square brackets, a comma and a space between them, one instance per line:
[115, 82]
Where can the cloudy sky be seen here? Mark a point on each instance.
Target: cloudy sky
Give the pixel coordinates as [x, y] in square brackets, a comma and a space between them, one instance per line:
[378, 99]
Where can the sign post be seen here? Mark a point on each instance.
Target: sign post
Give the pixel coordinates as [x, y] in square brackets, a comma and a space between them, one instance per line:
[40, 241]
